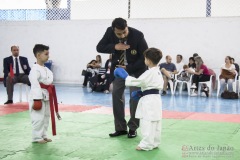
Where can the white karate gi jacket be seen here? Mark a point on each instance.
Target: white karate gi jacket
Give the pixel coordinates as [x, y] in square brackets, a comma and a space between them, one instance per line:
[149, 106]
[39, 74]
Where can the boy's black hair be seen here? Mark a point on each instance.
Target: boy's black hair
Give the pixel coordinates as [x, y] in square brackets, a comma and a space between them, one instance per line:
[119, 23]
[39, 48]
[153, 54]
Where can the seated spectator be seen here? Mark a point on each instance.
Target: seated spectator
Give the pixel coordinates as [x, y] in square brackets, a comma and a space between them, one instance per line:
[227, 75]
[170, 68]
[184, 75]
[191, 63]
[201, 74]
[179, 63]
[103, 80]
[108, 80]
[235, 64]
[16, 70]
[92, 69]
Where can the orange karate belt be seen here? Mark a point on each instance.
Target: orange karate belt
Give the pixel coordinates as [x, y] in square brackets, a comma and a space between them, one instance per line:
[53, 104]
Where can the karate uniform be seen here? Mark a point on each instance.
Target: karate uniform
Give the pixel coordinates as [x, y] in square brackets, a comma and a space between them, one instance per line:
[40, 118]
[149, 109]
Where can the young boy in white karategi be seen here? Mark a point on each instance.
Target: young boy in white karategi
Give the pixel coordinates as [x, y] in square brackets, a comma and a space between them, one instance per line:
[149, 109]
[39, 105]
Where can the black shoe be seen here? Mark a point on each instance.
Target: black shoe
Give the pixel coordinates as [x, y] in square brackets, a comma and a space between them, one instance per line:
[9, 102]
[118, 133]
[164, 93]
[132, 134]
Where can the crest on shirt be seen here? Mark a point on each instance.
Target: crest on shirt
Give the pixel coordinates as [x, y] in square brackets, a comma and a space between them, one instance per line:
[133, 52]
[24, 67]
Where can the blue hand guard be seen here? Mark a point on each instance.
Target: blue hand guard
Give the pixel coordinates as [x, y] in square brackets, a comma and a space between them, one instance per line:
[136, 95]
[120, 73]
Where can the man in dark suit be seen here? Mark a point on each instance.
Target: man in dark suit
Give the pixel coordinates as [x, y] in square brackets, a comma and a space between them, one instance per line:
[127, 46]
[20, 68]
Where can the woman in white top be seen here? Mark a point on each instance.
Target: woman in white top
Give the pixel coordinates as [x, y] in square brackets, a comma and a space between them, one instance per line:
[92, 69]
[227, 75]
[95, 66]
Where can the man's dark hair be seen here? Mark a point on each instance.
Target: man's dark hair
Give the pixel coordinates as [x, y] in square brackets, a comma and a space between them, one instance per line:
[119, 23]
[195, 55]
[13, 47]
[153, 54]
[39, 48]
[180, 56]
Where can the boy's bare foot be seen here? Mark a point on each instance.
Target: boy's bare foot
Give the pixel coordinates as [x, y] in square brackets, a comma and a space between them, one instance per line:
[42, 141]
[138, 148]
[47, 140]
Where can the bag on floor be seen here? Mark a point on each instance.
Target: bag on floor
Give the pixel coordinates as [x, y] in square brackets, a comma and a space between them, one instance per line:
[229, 95]
[84, 72]
[98, 88]
[205, 89]
[96, 83]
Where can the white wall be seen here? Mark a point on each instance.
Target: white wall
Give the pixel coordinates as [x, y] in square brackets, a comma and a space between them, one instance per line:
[27, 4]
[73, 43]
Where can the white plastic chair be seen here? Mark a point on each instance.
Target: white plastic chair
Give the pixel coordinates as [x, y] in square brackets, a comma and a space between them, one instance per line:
[235, 83]
[20, 91]
[208, 83]
[188, 83]
[171, 86]
[238, 85]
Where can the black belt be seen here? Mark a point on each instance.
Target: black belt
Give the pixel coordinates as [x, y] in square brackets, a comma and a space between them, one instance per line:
[150, 91]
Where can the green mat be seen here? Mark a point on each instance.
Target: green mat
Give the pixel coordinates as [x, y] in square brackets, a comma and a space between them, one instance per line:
[84, 136]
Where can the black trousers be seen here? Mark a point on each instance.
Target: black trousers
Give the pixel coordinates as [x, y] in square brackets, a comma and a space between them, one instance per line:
[118, 99]
[200, 78]
[86, 78]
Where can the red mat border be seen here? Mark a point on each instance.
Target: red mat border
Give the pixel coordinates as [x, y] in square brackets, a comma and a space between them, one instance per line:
[232, 118]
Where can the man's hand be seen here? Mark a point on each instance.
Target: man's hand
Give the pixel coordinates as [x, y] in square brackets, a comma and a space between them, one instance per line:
[120, 73]
[120, 66]
[121, 46]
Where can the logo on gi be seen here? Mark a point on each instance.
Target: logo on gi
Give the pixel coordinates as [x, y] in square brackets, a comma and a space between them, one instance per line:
[133, 52]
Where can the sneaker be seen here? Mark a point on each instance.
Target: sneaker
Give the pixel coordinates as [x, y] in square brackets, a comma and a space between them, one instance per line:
[194, 94]
[132, 134]
[106, 91]
[164, 93]
[193, 86]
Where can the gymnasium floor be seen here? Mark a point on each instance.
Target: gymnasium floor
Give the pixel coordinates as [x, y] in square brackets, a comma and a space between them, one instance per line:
[192, 128]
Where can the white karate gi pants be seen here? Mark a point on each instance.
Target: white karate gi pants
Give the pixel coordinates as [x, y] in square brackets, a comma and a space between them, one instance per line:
[40, 121]
[151, 132]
